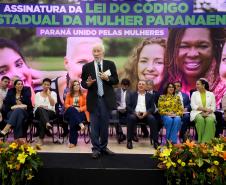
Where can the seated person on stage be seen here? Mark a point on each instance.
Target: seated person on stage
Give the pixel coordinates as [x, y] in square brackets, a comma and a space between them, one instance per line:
[171, 110]
[150, 89]
[203, 105]
[185, 101]
[26, 88]
[18, 108]
[141, 107]
[45, 108]
[224, 106]
[3, 91]
[122, 96]
[221, 117]
[76, 112]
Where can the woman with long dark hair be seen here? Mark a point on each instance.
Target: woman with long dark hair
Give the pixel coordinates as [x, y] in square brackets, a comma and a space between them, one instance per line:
[18, 107]
[76, 112]
[171, 110]
[203, 105]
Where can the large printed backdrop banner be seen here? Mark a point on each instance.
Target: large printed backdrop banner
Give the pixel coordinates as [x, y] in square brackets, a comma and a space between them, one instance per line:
[155, 40]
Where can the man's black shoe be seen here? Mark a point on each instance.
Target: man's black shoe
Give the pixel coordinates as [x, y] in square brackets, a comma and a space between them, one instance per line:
[48, 133]
[107, 152]
[135, 138]
[156, 145]
[95, 155]
[121, 138]
[129, 145]
[49, 126]
[64, 134]
[2, 135]
[146, 135]
[36, 134]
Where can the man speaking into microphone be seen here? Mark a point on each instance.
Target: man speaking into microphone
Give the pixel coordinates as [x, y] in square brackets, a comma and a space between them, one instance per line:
[99, 77]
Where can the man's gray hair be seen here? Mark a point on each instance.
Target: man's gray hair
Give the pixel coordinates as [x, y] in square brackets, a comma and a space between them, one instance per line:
[150, 82]
[99, 45]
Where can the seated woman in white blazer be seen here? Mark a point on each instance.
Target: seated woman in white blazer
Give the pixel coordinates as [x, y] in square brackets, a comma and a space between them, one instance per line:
[203, 105]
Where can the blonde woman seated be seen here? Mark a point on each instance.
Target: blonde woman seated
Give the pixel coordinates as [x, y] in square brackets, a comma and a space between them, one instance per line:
[171, 110]
[76, 112]
[203, 105]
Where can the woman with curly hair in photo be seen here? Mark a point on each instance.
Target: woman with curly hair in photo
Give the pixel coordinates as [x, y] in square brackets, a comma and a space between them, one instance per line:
[193, 53]
[146, 62]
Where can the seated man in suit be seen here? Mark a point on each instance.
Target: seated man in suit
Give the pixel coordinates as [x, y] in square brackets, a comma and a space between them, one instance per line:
[221, 119]
[187, 108]
[4, 84]
[150, 89]
[156, 94]
[140, 107]
[122, 96]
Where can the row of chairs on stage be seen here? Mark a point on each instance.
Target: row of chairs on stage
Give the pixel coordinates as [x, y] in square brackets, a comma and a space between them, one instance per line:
[60, 126]
[58, 132]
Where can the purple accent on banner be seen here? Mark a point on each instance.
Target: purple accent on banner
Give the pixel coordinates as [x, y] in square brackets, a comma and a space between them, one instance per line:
[100, 32]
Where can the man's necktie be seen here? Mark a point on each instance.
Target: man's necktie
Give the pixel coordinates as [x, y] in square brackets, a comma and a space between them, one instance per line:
[99, 67]
[100, 90]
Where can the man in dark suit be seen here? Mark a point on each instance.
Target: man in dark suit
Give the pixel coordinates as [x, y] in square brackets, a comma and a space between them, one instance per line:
[156, 94]
[122, 96]
[141, 107]
[187, 108]
[150, 89]
[98, 77]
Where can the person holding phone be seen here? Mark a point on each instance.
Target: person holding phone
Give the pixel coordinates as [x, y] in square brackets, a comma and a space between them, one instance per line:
[45, 108]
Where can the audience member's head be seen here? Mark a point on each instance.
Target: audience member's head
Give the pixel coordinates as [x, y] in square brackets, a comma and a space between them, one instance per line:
[75, 87]
[18, 85]
[178, 86]
[203, 82]
[141, 86]
[169, 89]
[5, 81]
[125, 83]
[149, 85]
[46, 84]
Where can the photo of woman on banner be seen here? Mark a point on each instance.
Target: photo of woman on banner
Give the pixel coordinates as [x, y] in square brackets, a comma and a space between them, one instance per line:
[78, 52]
[194, 53]
[147, 62]
[13, 63]
[223, 64]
